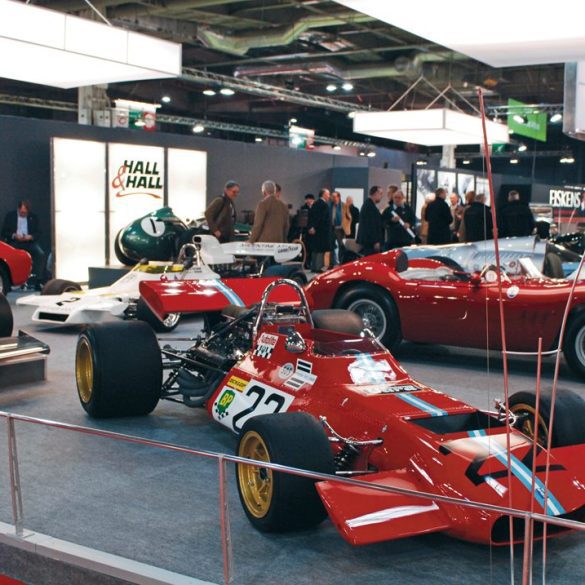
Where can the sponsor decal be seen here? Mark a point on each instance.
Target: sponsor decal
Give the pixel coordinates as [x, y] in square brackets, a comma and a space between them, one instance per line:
[266, 345]
[233, 409]
[365, 370]
[286, 371]
[512, 292]
[138, 177]
[394, 389]
[303, 375]
[222, 405]
[236, 383]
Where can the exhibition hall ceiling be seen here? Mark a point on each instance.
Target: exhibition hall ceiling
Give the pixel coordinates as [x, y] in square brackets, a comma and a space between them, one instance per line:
[317, 48]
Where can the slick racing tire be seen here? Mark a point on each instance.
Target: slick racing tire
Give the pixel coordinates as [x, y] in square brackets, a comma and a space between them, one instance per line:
[118, 369]
[4, 280]
[126, 260]
[144, 313]
[58, 286]
[6, 320]
[281, 502]
[377, 310]
[568, 428]
[574, 344]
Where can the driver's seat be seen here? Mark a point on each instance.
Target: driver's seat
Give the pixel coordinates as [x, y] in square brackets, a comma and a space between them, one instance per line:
[338, 320]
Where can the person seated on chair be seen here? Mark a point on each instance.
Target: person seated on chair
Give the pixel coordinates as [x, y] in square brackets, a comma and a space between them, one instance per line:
[21, 230]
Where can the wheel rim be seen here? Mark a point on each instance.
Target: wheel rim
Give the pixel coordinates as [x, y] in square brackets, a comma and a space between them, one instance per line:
[255, 482]
[527, 427]
[580, 346]
[372, 314]
[171, 320]
[84, 370]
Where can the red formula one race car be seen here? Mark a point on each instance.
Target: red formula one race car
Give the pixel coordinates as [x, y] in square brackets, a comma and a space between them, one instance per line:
[434, 301]
[315, 391]
[15, 267]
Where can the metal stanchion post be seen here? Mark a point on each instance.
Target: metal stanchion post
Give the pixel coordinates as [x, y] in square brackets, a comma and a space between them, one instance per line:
[15, 491]
[224, 515]
[528, 549]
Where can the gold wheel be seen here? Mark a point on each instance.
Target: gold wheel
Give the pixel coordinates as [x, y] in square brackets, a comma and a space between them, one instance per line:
[84, 370]
[527, 426]
[256, 483]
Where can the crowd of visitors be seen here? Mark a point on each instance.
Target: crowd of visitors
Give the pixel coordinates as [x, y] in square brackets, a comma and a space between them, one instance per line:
[326, 223]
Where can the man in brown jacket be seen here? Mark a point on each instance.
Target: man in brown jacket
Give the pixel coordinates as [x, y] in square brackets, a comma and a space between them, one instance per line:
[271, 220]
[221, 213]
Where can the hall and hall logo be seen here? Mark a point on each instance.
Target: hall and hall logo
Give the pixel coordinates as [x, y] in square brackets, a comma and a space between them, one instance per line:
[137, 177]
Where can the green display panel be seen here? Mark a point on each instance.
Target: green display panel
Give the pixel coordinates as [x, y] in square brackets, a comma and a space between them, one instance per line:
[534, 125]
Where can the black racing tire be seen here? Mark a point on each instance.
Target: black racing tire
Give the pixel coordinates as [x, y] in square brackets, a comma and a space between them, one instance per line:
[120, 255]
[58, 286]
[6, 319]
[118, 369]
[553, 266]
[281, 502]
[5, 282]
[568, 426]
[377, 310]
[144, 313]
[574, 343]
[299, 277]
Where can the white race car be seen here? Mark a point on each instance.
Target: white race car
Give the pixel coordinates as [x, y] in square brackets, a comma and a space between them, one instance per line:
[222, 267]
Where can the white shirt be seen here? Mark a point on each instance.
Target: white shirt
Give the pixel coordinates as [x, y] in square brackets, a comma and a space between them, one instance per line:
[22, 226]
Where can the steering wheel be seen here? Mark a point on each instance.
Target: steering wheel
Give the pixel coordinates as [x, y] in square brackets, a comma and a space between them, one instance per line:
[493, 268]
[350, 351]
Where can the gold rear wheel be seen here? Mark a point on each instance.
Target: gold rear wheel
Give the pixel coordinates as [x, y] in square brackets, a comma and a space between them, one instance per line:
[528, 425]
[256, 482]
[84, 370]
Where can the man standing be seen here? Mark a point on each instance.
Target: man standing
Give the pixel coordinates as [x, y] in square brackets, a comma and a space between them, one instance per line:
[371, 231]
[271, 220]
[351, 216]
[21, 230]
[319, 230]
[477, 221]
[516, 219]
[439, 217]
[337, 226]
[457, 213]
[399, 221]
[221, 213]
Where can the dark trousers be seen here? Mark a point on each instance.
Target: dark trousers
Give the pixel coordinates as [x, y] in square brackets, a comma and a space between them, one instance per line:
[38, 258]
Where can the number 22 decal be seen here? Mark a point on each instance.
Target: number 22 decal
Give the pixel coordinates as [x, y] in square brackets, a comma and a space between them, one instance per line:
[266, 404]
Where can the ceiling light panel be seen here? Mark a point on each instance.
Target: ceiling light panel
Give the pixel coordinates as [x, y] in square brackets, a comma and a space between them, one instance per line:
[43, 46]
[511, 33]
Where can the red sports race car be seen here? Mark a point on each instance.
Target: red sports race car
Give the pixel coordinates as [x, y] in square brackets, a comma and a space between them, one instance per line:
[429, 301]
[15, 267]
[314, 391]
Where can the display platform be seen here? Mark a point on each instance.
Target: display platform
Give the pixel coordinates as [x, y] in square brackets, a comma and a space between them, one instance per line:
[22, 360]
[105, 275]
[162, 508]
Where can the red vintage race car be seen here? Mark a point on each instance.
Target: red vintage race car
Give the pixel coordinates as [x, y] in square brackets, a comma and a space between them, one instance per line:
[15, 267]
[315, 391]
[430, 301]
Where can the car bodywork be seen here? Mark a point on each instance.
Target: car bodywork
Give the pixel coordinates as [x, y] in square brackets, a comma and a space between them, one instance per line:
[382, 426]
[429, 302]
[15, 266]
[202, 276]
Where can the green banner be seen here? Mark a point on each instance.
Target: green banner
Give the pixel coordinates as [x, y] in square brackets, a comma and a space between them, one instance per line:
[523, 120]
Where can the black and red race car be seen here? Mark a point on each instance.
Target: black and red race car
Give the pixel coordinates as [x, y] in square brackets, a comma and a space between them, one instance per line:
[313, 390]
[15, 267]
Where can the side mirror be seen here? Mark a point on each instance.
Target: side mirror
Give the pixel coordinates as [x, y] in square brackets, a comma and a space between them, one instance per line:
[475, 279]
[295, 343]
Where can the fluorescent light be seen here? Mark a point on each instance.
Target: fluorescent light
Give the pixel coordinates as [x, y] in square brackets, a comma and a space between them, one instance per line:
[209, 92]
[336, 147]
[293, 121]
[166, 99]
[518, 118]
[331, 87]
[362, 153]
[556, 118]
[466, 162]
[522, 148]
[198, 128]
[567, 160]
[511, 33]
[421, 163]
[434, 127]
[259, 139]
[514, 161]
[347, 86]
[52, 48]
[371, 154]
[226, 91]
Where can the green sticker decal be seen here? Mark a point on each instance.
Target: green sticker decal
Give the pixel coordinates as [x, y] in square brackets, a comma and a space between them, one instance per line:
[224, 402]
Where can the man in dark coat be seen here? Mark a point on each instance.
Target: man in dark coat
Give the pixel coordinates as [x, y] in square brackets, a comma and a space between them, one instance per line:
[477, 220]
[221, 213]
[21, 230]
[439, 217]
[319, 230]
[370, 229]
[399, 220]
[515, 218]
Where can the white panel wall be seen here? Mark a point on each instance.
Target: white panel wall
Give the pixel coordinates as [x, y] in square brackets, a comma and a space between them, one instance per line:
[187, 182]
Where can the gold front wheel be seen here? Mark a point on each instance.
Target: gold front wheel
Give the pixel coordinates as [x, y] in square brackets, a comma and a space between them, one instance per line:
[528, 426]
[84, 370]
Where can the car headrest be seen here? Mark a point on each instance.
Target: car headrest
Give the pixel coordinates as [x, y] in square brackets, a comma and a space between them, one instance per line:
[400, 261]
[338, 320]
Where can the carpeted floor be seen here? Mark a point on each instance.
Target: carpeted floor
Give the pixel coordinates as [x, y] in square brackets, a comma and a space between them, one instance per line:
[162, 508]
